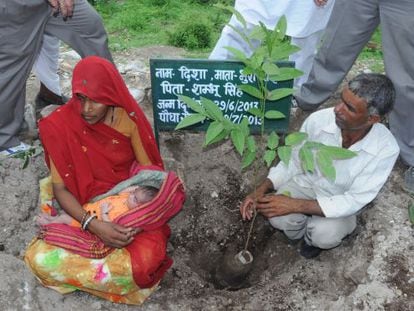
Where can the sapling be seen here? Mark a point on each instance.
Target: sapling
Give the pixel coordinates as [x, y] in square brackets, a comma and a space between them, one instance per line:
[269, 47]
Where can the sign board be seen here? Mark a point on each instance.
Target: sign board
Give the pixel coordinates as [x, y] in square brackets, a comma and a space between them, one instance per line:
[215, 80]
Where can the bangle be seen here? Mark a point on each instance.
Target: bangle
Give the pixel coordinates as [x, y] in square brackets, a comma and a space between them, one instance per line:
[87, 221]
[84, 216]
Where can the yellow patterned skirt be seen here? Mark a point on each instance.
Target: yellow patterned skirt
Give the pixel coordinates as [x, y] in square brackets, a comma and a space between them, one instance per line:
[110, 278]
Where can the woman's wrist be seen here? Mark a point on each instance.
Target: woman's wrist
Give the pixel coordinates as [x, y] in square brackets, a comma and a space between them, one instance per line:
[94, 225]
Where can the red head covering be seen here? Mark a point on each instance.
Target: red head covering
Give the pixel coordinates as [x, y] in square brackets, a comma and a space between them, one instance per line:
[92, 158]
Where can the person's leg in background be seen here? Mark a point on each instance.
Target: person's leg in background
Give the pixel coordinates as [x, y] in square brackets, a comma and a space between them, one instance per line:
[84, 31]
[21, 27]
[397, 26]
[46, 69]
[350, 27]
[304, 58]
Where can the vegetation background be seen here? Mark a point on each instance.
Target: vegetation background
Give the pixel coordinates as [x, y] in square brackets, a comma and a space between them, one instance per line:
[194, 25]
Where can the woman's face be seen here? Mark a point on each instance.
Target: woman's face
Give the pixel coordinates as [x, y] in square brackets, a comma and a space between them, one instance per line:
[92, 112]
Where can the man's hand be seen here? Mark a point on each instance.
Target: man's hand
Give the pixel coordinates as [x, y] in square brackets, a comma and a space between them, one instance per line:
[65, 7]
[247, 208]
[112, 234]
[279, 205]
[320, 2]
[276, 205]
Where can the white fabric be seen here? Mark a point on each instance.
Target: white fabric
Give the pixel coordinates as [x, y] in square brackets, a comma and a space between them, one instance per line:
[305, 24]
[47, 64]
[304, 16]
[358, 180]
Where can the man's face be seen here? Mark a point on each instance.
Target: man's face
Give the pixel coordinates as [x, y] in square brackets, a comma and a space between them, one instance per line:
[351, 113]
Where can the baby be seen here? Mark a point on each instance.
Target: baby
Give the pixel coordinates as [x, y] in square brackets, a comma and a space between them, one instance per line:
[106, 209]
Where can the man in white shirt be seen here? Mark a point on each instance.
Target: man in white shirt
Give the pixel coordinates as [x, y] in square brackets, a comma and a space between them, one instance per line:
[309, 205]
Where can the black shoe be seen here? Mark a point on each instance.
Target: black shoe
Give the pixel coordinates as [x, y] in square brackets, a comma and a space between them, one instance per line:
[309, 251]
[46, 97]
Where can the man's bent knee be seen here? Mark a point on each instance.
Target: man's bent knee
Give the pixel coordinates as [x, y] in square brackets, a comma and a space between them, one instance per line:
[330, 233]
[293, 225]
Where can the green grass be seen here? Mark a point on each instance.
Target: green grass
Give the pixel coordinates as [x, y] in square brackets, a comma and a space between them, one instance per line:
[137, 23]
[372, 53]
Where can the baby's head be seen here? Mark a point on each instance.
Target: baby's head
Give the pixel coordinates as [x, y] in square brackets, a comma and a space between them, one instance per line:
[141, 195]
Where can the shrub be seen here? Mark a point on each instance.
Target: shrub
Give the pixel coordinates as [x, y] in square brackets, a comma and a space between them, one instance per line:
[193, 35]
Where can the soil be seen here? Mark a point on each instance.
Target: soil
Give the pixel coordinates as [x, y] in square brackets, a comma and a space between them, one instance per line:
[373, 269]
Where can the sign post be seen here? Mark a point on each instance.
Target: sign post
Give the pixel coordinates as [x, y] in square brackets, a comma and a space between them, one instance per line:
[215, 80]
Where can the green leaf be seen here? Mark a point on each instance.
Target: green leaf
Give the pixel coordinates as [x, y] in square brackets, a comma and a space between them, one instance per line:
[26, 162]
[248, 158]
[269, 156]
[244, 127]
[192, 104]
[239, 16]
[237, 53]
[251, 144]
[257, 33]
[256, 59]
[213, 131]
[411, 212]
[274, 114]
[255, 111]
[223, 135]
[281, 27]
[190, 120]
[338, 152]
[285, 153]
[283, 51]
[273, 141]
[270, 68]
[251, 90]
[212, 109]
[285, 73]
[247, 71]
[279, 93]
[295, 138]
[238, 139]
[313, 144]
[306, 159]
[325, 165]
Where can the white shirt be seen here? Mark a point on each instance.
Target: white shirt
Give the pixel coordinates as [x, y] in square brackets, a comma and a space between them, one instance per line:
[304, 17]
[358, 180]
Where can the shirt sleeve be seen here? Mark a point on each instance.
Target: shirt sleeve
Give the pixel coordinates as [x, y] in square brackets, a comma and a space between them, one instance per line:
[364, 188]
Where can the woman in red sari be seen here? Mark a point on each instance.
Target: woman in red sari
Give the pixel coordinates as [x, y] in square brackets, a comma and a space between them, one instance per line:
[90, 145]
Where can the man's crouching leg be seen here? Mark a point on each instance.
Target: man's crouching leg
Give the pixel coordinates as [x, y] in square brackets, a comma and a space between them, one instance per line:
[327, 233]
[320, 233]
[293, 225]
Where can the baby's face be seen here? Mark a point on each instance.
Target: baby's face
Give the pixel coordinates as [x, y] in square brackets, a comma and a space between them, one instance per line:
[136, 198]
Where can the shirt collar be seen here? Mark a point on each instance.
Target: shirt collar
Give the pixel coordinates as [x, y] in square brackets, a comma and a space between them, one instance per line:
[369, 143]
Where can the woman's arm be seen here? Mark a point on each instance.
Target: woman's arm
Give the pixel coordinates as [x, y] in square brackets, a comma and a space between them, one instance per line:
[111, 234]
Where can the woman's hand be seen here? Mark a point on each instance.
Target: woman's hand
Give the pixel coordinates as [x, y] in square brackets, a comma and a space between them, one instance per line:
[112, 234]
